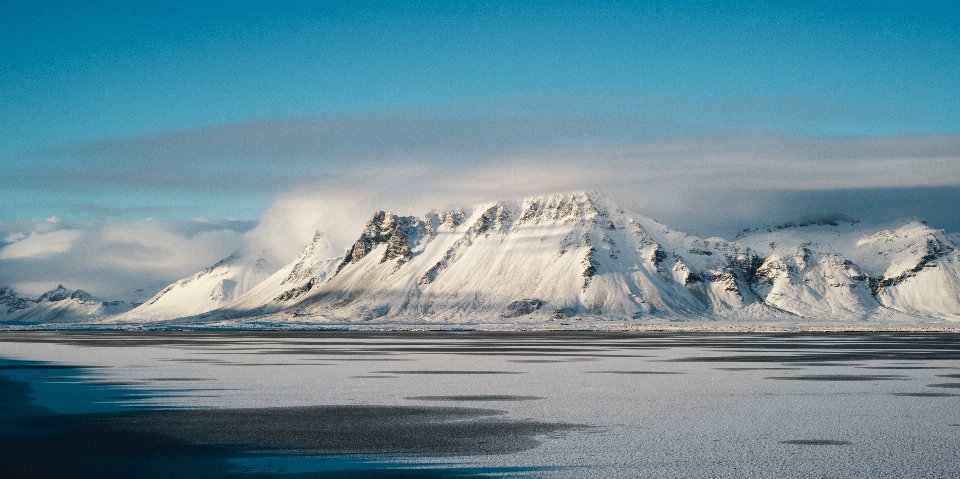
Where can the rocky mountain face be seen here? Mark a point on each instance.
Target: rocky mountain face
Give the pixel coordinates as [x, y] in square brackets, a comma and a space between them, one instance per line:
[579, 255]
[553, 258]
[853, 271]
[543, 258]
[11, 302]
[314, 265]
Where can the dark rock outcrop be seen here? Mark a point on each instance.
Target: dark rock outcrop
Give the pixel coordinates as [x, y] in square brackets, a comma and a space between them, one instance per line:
[521, 307]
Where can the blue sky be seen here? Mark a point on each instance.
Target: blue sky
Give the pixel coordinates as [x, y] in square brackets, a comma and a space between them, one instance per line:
[116, 111]
[82, 71]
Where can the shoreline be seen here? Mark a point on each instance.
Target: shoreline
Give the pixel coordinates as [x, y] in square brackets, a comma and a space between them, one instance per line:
[672, 327]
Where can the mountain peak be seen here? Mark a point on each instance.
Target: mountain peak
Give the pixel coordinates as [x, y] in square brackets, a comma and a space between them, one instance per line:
[60, 293]
[10, 301]
[590, 206]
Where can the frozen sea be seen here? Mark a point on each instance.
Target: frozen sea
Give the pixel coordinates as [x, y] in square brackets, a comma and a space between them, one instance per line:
[261, 404]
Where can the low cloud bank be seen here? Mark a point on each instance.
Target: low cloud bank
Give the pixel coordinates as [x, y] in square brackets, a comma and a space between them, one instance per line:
[112, 260]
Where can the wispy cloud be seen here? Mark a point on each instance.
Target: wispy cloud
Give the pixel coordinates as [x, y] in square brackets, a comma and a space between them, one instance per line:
[270, 155]
[112, 211]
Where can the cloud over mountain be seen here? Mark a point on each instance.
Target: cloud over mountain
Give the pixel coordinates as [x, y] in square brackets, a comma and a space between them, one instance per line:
[111, 259]
[328, 173]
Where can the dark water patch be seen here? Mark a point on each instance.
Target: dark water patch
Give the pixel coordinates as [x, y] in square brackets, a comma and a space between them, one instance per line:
[385, 473]
[60, 449]
[551, 361]
[829, 365]
[820, 347]
[922, 368]
[843, 348]
[374, 360]
[497, 348]
[635, 372]
[15, 399]
[166, 393]
[316, 352]
[831, 358]
[582, 356]
[442, 371]
[484, 397]
[952, 376]
[30, 449]
[816, 442]
[596, 356]
[384, 470]
[196, 361]
[179, 379]
[760, 369]
[96, 382]
[242, 364]
[38, 442]
[376, 430]
[5, 365]
[66, 388]
[924, 395]
[349, 467]
[840, 377]
[945, 385]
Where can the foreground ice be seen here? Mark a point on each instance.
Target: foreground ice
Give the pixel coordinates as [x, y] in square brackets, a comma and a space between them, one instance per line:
[507, 404]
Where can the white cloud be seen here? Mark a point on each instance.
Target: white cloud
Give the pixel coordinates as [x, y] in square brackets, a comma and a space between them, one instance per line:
[113, 259]
[43, 244]
[719, 179]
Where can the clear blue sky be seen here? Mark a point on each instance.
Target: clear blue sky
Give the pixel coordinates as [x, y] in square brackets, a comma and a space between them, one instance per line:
[75, 73]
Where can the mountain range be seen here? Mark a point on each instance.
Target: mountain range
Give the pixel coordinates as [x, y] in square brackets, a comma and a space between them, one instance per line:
[557, 259]
[59, 305]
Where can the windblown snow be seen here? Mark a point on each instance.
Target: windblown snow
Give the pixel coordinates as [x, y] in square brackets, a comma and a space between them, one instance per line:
[570, 256]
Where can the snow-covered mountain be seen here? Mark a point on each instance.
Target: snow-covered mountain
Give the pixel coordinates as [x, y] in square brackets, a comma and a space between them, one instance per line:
[11, 302]
[59, 305]
[561, 256]
[315, 264]
[577, 255]
[843, 269]
[208, 289]
[543, 258]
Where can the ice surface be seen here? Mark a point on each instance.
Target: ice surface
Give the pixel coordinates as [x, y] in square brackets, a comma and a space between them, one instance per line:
[642, 405]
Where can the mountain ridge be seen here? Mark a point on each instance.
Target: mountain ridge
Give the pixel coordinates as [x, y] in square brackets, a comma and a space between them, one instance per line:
[59, 305]
[574, 256]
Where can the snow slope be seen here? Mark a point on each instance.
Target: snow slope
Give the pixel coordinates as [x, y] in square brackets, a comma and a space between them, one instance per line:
[59, 305]
[844, 269]
[204, 291]
[543, 258]
[315, 264]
